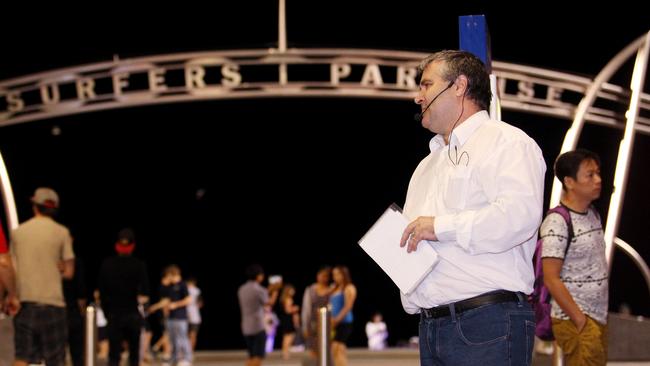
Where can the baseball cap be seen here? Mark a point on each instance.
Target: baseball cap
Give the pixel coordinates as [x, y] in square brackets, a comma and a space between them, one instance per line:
[126, 235]
[46, 197]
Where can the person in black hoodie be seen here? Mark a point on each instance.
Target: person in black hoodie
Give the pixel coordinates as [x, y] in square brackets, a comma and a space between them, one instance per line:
[123, 284]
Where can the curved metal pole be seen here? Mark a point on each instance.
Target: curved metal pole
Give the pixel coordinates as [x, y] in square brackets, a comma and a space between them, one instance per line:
[636, 258]
[571, 141]
[625, 149]
[8, 196]
[572, 135]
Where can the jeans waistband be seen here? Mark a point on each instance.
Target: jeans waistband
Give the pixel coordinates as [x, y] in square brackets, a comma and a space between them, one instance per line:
[489, 298]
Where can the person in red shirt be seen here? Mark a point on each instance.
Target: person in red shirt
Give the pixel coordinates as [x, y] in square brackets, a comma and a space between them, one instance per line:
[10, 303]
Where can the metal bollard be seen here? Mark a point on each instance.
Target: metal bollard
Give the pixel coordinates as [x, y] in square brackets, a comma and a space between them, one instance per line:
[90, 336]
[323, 336]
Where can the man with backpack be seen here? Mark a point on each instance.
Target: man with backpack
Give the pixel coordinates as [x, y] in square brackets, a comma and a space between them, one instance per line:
[574, 263]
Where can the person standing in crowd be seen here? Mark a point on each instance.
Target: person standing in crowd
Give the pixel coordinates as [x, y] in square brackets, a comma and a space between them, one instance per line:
[576, 273]
[162, 348]
[316, 296]
[194, 311]
[123, 284]
[271, 323]
[74, 292]
[253, 300]
[9, 303]
[146, 334]
[477, 200]
[289, 318]
[342, 300]
[176, 300]
[102, 332]
[376, 332]
[44, 256]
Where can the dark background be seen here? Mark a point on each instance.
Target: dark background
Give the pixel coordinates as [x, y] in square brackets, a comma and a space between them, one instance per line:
[289, 183]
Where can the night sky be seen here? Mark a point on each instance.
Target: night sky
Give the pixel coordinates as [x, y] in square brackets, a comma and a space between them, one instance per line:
[286, 182]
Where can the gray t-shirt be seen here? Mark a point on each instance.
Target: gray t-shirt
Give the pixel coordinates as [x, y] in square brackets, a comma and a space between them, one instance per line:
[39, 245]
[252, 298]
[584, 271]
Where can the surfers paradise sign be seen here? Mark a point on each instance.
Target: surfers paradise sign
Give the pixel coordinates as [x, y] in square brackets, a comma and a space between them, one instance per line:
[290, 73]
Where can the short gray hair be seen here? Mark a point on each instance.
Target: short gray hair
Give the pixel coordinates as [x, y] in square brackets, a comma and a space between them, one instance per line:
[463, 63]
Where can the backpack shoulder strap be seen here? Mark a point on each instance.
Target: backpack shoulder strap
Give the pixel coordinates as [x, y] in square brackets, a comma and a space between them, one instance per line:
[566, 215]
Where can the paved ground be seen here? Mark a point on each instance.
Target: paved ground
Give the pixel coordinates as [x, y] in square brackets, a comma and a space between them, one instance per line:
[358, 357]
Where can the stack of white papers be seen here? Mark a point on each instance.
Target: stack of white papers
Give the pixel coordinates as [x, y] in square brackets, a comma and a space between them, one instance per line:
[381, 243]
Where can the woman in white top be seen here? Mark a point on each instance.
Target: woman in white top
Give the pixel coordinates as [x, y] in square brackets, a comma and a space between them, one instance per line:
[193, 310]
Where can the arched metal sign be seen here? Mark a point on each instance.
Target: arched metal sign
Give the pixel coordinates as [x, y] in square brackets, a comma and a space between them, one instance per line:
[292, 73]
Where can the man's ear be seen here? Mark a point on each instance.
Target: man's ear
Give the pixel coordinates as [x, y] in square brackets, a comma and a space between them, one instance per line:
[462, 84]
[569, 182]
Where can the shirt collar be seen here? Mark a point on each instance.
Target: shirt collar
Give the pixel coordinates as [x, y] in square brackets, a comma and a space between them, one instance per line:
[462, 132]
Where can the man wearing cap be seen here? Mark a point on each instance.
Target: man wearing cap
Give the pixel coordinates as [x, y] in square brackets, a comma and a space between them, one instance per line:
[123, 284]
[43, 251]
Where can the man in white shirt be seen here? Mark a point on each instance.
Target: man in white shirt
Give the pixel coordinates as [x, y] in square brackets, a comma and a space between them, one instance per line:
[477, 200]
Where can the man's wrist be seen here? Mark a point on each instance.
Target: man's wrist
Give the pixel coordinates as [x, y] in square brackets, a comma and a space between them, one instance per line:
[444, 227]
[580, 321]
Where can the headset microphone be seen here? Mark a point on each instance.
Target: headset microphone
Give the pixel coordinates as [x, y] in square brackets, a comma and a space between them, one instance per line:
[418, 116]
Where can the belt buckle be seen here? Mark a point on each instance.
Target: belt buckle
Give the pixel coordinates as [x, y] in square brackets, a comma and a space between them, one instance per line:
[433, 312]
[429, 313]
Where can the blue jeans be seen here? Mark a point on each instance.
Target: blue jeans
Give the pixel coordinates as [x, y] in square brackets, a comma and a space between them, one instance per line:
[178, 337]
[490, 335]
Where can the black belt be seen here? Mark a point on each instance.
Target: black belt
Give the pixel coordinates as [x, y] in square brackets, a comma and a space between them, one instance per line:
[471, 303]
[37, 304]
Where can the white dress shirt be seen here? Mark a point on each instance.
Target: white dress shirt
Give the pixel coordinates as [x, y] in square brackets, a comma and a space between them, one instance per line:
[485, 190]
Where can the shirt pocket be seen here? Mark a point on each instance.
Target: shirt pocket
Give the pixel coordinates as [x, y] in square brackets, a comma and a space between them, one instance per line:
[456, 192]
